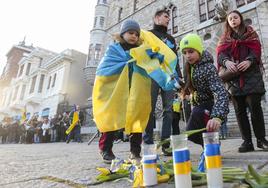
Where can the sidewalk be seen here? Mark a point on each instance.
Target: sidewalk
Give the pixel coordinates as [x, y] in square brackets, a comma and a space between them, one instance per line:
[29, 165]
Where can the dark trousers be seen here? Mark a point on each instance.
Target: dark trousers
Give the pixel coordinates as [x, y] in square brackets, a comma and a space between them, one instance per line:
[107, 139]
[176, 123]
[198, 120]
[75, 134]
[253, 103]
[167, 101]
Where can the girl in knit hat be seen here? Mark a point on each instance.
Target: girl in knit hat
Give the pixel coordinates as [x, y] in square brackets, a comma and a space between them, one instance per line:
[209, 97]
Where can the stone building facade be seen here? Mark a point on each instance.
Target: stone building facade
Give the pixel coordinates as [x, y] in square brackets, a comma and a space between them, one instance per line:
[186, 16]
[45, 83]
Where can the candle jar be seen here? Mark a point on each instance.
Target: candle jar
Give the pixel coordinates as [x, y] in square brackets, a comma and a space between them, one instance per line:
[149, 164]
[181, 161]
[213, 159]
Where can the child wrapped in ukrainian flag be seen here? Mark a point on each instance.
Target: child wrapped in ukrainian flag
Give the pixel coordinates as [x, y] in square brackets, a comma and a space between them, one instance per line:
[122, 88]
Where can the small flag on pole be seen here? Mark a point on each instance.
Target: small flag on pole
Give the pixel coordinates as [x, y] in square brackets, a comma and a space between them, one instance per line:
[23, 115]
[74, 122]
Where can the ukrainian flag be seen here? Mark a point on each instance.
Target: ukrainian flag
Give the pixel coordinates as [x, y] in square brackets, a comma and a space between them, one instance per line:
[23, 115]
[122, 89]
[157, 59]
[121, 93]
[74, 122]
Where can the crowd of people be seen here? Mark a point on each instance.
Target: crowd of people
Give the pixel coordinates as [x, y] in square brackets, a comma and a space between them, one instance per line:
[40, 129]
[238, 52]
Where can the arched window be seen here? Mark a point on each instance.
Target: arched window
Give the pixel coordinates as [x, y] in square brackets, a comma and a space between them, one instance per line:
[173, 14]
[206, 9]
[101, 21]
[97, 52]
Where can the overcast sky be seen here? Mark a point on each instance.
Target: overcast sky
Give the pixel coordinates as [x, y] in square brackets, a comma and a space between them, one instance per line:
[51, 24]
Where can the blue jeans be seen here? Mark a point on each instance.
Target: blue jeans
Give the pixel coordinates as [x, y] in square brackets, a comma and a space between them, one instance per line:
[223, 128]
[167, 101]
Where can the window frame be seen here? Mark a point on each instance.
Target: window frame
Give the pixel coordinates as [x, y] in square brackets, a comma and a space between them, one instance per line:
[33, 82]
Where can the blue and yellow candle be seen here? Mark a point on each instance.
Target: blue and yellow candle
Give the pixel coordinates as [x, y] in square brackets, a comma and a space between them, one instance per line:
[149, 170]
[213, 160]
[213, 156]
[182, 168]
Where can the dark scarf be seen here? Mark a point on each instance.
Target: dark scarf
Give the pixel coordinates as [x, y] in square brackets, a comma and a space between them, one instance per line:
[126, 46]
[160, 28]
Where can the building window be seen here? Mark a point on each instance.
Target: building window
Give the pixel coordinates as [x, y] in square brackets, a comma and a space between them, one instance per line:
[207, 36]
[90, 54]
[22, 92]
[248, 22]
[240, 3]
[41, 83]
[54, 80]
[95, 21]
[102, 1]
[16, 93]
[97, 54]
[135, 7]
[21, 70]
[33, 84]
[172, 27]
[120, 14]
[28, 69]
[206, 9]
[174, 20]
[49, 81]
[40, 62]
[101, 21]
[9, 98]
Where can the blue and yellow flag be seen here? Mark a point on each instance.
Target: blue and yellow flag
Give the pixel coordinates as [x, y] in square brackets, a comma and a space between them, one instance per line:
[74, 122]
[23, 115]
[121, 93]
[157, 59]
[122, 89]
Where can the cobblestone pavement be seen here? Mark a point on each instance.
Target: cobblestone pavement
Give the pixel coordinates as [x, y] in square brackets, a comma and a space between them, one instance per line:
[36, 165]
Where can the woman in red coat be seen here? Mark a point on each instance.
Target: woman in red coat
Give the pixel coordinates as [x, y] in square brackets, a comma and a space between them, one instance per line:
[239, 50]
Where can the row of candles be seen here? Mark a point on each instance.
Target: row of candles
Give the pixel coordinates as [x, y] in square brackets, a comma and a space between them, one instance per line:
[182, 163]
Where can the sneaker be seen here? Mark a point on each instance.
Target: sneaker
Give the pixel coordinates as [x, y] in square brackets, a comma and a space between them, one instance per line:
[67, 141]
[246, 146]
[107, 157]
[263, 144]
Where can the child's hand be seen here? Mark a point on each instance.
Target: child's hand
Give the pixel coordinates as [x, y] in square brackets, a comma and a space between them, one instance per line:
[213, 125]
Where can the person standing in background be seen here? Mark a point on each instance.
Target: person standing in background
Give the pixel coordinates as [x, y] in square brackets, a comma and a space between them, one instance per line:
[239, 51]
[161, 21]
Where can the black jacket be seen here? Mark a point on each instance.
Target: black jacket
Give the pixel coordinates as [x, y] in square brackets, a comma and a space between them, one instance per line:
[208, 87]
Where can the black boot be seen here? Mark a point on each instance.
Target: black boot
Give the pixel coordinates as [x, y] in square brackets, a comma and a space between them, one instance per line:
[262, 143]
[246, 146]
